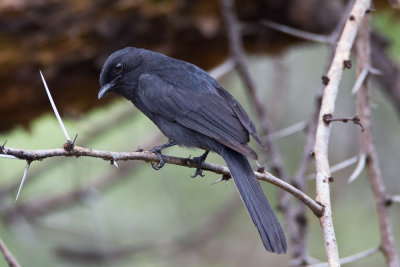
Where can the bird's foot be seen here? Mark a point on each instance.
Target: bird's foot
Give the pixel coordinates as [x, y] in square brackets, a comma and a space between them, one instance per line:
[200, 160]
[157, 150]
[161, 161]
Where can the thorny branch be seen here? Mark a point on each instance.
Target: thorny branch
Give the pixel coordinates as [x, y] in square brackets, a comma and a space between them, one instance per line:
[147, 156]
[297, 220]
[374, 173]
[40, 207]
[333, 77]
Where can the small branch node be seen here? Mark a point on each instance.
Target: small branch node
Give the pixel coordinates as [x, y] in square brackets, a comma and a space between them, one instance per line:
[327, 118]
[347, 64]
[323, 209]
[388, 201]
[68, 146]
[325, 80]
[260, 168]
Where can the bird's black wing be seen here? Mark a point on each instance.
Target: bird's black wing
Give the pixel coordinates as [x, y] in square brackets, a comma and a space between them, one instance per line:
[205, 112]
[240, 113]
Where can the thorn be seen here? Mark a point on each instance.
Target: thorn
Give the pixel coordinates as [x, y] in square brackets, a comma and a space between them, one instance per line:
[388, 202]
[28, 163]
[260, 168]
[7, 156]
[73, 142]
[55, 108]
[2, 148]
[114, 162]
[223, 178]
[362, 160]
[375, 71]
[139, 149]
[360, 80]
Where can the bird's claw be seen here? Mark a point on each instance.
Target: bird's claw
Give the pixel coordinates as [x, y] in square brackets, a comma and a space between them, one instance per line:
[200, 160]
[157, 150]
[160, 157]
[198, 171]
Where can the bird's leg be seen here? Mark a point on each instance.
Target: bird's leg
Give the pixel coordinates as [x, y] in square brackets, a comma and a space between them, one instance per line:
[200, 160]
[157, 150]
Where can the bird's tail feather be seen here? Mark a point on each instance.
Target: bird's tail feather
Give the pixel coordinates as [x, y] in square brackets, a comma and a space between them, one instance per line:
[255, 201]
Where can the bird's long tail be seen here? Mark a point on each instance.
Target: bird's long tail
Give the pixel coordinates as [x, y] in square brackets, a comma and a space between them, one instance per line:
[255, 201]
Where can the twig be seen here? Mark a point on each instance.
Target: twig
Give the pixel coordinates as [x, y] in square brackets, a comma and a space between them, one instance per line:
[362, 159]
[8, 256]
[55, 109]
[388, 244]
[360, 80]
[338, 167]
[319, 38]
[222, 69]
[334, 75]
[352, 258]
[147, 156]
[328, 118]
[297, 127]
[314, 37]
[344, 164]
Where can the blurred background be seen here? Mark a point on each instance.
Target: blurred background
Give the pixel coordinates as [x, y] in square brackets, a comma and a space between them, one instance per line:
[86, 212]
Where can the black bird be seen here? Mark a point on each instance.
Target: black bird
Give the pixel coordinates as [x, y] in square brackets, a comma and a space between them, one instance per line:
[193, 110]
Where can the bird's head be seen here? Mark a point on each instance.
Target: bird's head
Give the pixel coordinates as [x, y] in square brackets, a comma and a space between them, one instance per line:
[118, 72]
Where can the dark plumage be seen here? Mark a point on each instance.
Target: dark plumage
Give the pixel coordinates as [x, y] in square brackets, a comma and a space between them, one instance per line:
[193, 110]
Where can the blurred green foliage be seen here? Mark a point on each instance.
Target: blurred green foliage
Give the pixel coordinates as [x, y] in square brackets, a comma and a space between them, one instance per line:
[388, 23]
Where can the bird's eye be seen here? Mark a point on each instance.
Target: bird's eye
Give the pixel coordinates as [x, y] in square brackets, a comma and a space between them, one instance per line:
[118, 67]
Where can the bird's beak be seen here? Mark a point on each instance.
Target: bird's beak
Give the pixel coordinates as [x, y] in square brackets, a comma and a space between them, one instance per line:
[107, 87]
